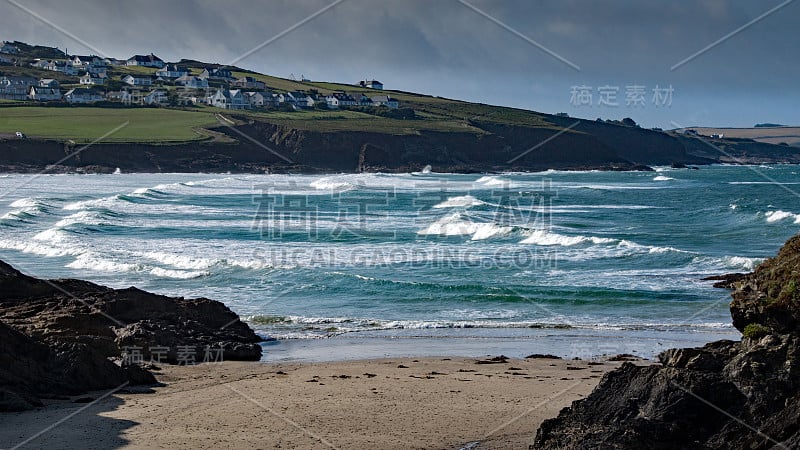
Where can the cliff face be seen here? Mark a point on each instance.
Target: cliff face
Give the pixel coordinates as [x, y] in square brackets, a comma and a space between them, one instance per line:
[724, 395]
[64, 337]
[258, 147]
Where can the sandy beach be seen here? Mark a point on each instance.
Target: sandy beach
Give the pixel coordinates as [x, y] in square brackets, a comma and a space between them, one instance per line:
[446, 403]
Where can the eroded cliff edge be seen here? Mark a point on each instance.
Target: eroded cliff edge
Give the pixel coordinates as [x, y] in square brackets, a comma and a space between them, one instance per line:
[258, 147]
[737, 395]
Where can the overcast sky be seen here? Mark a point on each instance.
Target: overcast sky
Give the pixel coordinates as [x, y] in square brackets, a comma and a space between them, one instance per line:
[528, 54]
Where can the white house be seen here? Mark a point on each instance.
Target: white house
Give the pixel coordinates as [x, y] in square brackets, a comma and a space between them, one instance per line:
[338, 99]
[372, 84]
[64, 67]
[228, 99]
[87, 61]
[43, 94]
[192, 82]
[40, 64]
[150, 60]
[137, 80]
[156, 97]
[172, 71]
[90, 79]
[11, 81]
[255, 99]
[16, 88]
[300, 99]
[216, 74]
[49, 83]
[83, 96]
[385, 100]
[249, 83]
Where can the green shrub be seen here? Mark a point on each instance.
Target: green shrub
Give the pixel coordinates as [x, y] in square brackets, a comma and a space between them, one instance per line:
[755, 331]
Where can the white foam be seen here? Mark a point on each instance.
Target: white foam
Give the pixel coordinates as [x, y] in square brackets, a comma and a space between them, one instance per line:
[741, 262]
[492, 181]
[80, 218]
[181, 261]
[542, 237]
[26, 203]
[90, 261]
[177, 274]
[330, 184]
[775, 216]
[461, 201]
[662, 178]
[456, 225]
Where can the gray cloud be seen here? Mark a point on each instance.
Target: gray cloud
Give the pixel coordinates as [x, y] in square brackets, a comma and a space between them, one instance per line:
[444, 48]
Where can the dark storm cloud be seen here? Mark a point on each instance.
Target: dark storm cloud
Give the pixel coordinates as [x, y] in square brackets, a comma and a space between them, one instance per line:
[443, 47]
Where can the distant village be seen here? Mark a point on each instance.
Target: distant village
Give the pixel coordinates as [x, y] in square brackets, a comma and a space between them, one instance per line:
[86, 80]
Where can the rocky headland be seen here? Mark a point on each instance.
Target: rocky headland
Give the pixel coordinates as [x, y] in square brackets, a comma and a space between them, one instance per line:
[67, 337]
[725, 395]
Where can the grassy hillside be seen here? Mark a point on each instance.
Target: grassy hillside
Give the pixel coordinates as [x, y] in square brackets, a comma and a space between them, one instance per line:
[86, 124]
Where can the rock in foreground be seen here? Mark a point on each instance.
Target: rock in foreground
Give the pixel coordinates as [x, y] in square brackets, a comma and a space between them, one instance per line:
[64, 337]
[725, 395]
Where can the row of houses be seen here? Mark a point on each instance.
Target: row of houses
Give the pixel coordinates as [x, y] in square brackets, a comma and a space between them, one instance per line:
[238, 99]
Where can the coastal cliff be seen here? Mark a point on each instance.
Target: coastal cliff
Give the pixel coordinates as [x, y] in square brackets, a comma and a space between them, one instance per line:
[66, 337]
[743, 395]
[260, 146]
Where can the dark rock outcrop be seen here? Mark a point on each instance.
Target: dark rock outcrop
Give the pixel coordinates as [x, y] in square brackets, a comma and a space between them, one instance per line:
[725, 395]
[64, 337]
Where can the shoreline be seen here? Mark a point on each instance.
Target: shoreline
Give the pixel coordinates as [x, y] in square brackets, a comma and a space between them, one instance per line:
[463, 343]
[433, 402]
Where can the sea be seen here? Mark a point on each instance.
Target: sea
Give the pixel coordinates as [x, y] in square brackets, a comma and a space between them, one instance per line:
[349, 266]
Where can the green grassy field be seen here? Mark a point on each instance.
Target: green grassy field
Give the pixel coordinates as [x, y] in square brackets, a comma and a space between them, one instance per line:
[88, 124]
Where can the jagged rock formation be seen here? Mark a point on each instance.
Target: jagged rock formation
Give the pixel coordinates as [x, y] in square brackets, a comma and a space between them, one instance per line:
[64, 337]
[725, 395]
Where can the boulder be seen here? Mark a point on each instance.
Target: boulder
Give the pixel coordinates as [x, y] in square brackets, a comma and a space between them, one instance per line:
[66, 337]
[724, 395]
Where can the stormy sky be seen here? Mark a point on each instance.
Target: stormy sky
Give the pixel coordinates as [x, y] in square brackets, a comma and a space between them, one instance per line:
[725, 63]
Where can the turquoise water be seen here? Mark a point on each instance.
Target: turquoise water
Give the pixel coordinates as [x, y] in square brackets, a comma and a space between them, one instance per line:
[576, 263]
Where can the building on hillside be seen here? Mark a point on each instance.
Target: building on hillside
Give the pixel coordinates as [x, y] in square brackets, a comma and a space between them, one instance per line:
[11, 81]
[49, 83]
[43, 94]
[88, 61]
[340, 99]
[6, 60]
[40, 64]
[122, 96]
[90, 79]
[150, 60]
[156, 97]
[136, 80]
[64, 67]
[249, 83]
[219, 74]
[9, 48]
[256, 99]
[172, 71]
[228, 99]
[16, 88]
[385, 100]
[83, 96]
[192, 82]
[300, 99]
[371, 84]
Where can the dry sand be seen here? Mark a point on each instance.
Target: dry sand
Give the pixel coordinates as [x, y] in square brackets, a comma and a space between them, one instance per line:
[376, 404]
